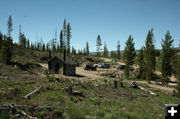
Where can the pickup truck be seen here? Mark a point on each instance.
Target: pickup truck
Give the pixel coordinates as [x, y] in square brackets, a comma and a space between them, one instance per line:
[103, 65]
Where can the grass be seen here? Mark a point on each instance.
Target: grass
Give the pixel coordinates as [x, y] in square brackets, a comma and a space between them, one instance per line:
[101, 100]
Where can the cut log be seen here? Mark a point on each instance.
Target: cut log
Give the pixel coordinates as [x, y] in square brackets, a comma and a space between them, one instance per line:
[133, 84]
[78, 93]
[22, 112]
[7, 107]
[33, 92]
[147, 90]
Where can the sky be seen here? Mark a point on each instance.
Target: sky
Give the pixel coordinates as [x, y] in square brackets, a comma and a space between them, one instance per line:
[113, 19]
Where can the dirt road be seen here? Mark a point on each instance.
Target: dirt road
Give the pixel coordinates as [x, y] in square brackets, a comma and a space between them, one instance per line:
[168, 90]
[94, 75]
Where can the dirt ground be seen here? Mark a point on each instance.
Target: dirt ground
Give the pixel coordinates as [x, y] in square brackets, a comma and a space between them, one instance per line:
[85, 74]
[93, 75]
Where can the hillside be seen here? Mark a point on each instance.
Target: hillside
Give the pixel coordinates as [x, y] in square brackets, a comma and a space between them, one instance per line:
[94, 99]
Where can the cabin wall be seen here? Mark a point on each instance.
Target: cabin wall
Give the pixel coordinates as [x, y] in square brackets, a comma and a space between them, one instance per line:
[52, 65]
[70, 70]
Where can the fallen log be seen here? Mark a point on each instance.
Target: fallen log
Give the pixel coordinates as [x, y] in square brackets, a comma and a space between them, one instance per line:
[22, 112]
[133, 84]
[7, 107]
[147, 90]
[35, 91]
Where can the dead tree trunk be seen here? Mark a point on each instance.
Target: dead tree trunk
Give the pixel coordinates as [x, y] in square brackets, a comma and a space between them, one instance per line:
[28, 95]
[22, 112]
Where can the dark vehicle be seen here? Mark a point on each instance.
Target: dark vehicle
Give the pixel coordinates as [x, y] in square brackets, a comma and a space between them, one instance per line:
[103, 65]
[89, 67]
[121, 67]
[106, 66]
[114, 60]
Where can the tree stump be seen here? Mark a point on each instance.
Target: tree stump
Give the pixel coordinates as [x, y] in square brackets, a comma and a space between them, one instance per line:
[115, 83]
[121, 84]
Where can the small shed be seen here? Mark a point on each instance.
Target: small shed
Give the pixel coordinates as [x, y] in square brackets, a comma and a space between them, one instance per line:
[63, 65]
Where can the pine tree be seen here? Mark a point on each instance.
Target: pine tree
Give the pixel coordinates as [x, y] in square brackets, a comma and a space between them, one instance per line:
[105, 53]
[178, 75]
[166, 55]
[73, 51]
[118, 50]
[61, 42]
[58, 48]
[22, 38]
[9, 24]
[64, 32]
[1, 40]
[53, 46]
[113, 54]
[68, 38]
[84, 51]
[43, 47]
[149, 56]
[55, 40]
[47, 47]
[98, 45]
[7, 50]
[129, 54]
[28, 44]
[140, 62]
[87, 49]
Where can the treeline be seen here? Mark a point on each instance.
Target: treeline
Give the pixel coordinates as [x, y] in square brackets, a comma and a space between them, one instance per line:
[55, 45]
[147, 57]
[104, 51]
[6, 44]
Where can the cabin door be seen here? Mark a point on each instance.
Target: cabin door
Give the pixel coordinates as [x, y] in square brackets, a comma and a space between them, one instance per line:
[57, 68]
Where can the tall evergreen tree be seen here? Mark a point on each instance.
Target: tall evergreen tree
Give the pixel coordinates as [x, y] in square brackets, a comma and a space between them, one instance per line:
[47, 47]
[64, 31]
[68, 38]
[6, 50]
[73, 51]
[43, 47]
[55, 40]
[87, 48]
[53, 46]
[9, 24]
[149, 56]
[113, 54]
[22, 38]
[20, 34]
[118, 50]
[1, 40]
[84, 51]
[166, 55]
[178, 75]
[61, 42]
[140, 62]
[105, 53]
[129, 54]
[98, 45]
[28, 44]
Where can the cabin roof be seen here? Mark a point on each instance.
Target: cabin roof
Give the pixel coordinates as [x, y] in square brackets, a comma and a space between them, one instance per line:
[67, 61]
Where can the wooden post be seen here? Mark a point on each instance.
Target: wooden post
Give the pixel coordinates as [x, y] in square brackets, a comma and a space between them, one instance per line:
[115, 83]
[121, 84]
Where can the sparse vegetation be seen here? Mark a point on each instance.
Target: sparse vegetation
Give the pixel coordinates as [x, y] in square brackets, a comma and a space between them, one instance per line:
[108, 96]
